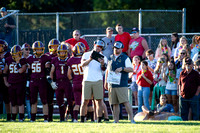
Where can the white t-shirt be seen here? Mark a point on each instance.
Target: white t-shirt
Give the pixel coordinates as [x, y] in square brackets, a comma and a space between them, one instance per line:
[171, 85]
[92, 72]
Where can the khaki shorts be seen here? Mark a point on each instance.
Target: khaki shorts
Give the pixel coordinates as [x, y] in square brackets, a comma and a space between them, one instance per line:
[94, 89]
[118, 95]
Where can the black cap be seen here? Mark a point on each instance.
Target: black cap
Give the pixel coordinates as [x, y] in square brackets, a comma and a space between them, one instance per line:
[188, 61]
[118, 44]
[135, 30]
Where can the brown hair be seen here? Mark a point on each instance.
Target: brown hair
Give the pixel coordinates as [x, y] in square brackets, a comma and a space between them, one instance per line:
[149, 52]
[197, 38]
[119, 25]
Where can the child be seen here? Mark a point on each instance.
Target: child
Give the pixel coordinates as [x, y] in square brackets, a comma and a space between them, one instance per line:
[163, 48]
[171, 87]
[136, 69]
[159, 87]
[144, 80]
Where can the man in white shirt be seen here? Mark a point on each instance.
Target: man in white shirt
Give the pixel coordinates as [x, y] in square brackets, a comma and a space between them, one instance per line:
[92, 85]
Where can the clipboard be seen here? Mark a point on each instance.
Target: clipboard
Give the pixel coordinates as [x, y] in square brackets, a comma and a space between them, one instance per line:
[95, 55]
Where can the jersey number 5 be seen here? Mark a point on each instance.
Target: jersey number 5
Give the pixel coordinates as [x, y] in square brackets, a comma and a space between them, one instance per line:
[77, 69]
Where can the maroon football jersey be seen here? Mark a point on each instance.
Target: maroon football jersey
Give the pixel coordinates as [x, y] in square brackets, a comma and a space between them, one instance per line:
[2, 61]
[61, 68]
[52, 55]
[77, 72]
[13, 74]
[37, 66]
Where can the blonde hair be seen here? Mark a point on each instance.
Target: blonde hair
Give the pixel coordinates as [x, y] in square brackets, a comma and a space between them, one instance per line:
[183, 37]
[157, 64]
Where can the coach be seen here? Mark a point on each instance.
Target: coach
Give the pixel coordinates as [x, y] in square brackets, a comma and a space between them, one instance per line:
[118, 63]
[189, 88]
[92, 85]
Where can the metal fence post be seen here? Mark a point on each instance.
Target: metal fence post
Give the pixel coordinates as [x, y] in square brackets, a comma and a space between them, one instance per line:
[130, 98]
[140, 21]
[184, 20]
[57, 25]
[17, 28]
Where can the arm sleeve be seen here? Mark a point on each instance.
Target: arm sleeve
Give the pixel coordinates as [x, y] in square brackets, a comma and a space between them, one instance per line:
[128, 63]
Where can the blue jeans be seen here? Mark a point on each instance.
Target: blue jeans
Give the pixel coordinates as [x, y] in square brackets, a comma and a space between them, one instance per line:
[28, 107]
[184, 106]
[143, 96]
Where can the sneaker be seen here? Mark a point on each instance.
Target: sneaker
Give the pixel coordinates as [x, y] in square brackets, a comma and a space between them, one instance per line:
[106, 119]
[115, 122]
[133, 122]
[75, 121]
[45, 121]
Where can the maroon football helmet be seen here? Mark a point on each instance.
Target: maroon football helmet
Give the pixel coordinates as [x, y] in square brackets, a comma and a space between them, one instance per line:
[78, 49]
[38, 48]
[16, 51]
[62, 48]
[3, 45]
[53, 43]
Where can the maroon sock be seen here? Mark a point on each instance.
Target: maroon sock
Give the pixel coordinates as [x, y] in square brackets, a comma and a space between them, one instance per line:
[62, 113]
[33, 116]
[21, 116]
[45, 117]
[50, 112]
[71, 111]
[8, 117]
[14, 117]
[75, 113]
[91, 115]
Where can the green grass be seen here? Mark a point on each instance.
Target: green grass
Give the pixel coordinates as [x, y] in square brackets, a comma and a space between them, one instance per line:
[106, 127]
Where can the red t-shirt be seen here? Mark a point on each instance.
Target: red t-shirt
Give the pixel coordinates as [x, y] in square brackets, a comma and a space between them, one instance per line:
[142, 82]
[73, 41]
[124, 38]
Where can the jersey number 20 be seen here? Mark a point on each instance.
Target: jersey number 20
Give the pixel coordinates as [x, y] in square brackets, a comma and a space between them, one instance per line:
[77, 69]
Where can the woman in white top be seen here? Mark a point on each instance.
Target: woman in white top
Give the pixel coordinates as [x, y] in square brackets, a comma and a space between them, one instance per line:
[174, 43]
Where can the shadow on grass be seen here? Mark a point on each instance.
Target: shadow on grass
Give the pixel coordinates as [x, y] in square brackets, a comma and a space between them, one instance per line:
[189, 123]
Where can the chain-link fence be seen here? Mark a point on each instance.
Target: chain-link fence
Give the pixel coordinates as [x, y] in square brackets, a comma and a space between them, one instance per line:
[45, 26]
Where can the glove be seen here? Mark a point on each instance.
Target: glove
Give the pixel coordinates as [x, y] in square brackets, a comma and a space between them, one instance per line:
[53, 85]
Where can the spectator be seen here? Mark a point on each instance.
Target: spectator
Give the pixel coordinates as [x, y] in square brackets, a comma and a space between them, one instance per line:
[92, 84]
[196, 49]
[138, 45]
[189, 88]
[151, 66]
[160, 85]
[26, 48]
[118, 93]
[183, 43]
[163, 48]
[7, 27]
[174, 43]
[171, 87]
[122, 36]
[76, 38]
[197, 66]
[144, 80]
[136, 68]
[194, 42]
[109, 41]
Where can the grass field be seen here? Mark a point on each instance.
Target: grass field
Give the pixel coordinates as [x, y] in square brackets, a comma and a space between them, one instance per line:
[106, 127]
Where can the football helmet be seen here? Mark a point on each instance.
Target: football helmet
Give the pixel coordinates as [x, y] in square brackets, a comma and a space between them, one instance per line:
[3, 45]
[16, 51]
[53, 43]
[78, 49]
[100, 43]
[26, 45]
[38, 48]
[62, 48]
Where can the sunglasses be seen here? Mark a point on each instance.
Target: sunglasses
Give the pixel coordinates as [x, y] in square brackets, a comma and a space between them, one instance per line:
[77, 34]
[27, 49]
[183, 53]
[99, 46]
[161, 61]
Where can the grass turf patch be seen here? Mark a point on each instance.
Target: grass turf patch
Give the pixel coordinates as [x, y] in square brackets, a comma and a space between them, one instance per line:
[123, 126]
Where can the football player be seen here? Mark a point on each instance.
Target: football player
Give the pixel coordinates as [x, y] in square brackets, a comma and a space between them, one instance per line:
[38, 64]
[75, 73]
[52, 46]
[4, 90]
[15, 80]
[62, 86]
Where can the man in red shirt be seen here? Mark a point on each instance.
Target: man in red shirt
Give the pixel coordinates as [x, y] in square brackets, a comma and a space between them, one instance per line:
[122, 36]
[76, 38]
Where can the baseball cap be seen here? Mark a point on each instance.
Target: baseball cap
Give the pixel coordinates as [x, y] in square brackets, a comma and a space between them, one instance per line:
[109, 29]
[188, 61]
[135, 30]
[118, 44]
[3, 9]
[26, 45]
